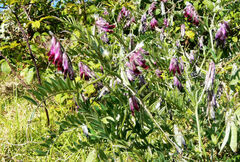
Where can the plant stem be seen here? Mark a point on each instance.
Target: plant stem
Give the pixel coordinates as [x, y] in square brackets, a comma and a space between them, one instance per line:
[198, 124]
[33, 59]
[198, 128]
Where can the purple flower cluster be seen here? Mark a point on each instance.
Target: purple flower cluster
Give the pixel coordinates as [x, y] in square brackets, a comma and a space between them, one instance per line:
[222, 33]
[144, 23]
[175, 66]
[104, 26]
[123, 13]
[152, 8]
[60, 59]
[191, 14]
[153, 23]
[133, 103]
[85, 71]
[127, 14]
[136, 59]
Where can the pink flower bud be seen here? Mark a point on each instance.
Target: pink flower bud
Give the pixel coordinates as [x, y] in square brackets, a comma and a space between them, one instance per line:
[222, 33]
[177, 83]
[165, 22]
[153, 23]
[85, 72]
[133, 103]
[191, 14]
[174, 66]
[58, 54]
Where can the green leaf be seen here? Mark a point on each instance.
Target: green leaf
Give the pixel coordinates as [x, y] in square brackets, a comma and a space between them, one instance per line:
[233, 142]
[29, 76]
[36, 24]
[124, 77]
[105, 120]
[208, 4]
[235, 39]
[227, 132]
[5, 68]
[41, 153]
[91, 156]
[31, 100]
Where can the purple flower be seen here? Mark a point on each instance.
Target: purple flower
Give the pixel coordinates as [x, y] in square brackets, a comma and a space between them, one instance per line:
[152, 8]
[104, 26]
[159, 73]
[104, 37]
[51, 53]
[60, 59]
[105, 12]
[174, 66]
[133, 103]
[129, 22]
[210, 76]
[133, 69]
[130, 75]
[212, 103]
[191, 14]
[222, 33]
[124, 12]
[67, 67]
[85, 72]
[181, 65]
[165, 22]
[182, 30]
[153, 23]
[58, 55]
[177, 43]
[137, 58]
[164, 1]
[144, 23]
[191, 56]
[177, 83]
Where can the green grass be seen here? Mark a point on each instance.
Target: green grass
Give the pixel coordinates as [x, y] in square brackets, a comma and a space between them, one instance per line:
[20, 137]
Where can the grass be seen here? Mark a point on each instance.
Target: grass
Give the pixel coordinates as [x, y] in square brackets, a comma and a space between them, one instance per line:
[20, 137]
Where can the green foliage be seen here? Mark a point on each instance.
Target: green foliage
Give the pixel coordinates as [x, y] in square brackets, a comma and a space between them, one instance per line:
[194, 122]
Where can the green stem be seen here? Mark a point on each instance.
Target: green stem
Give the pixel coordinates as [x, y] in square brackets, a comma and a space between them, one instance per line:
[200, 144]
[198, 128]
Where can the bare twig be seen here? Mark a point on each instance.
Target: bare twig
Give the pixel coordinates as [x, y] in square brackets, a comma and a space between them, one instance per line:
[28, 16]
